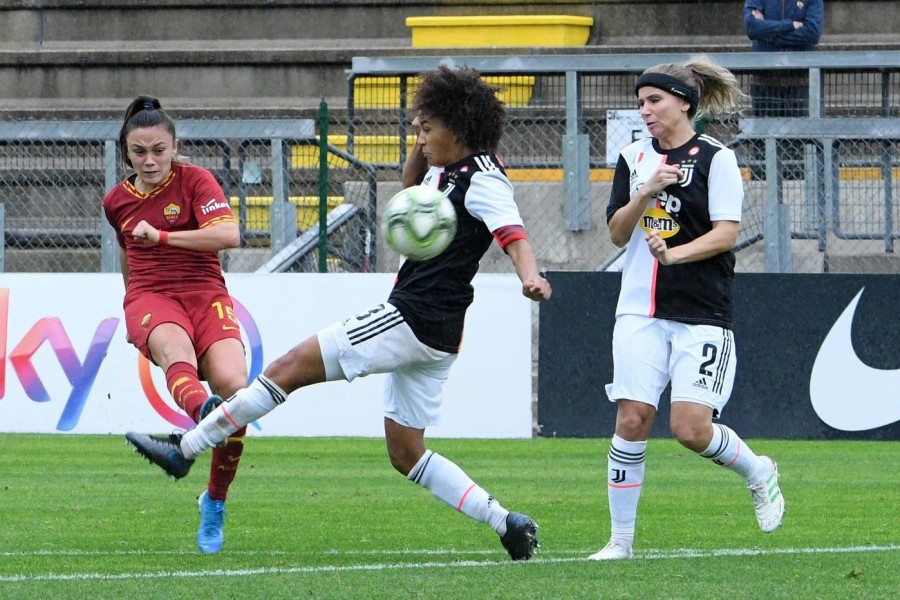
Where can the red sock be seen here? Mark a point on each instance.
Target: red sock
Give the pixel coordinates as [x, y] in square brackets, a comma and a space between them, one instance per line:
[187, 391]
[224, 464]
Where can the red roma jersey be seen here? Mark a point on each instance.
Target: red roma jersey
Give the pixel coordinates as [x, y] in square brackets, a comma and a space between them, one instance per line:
[189, 199]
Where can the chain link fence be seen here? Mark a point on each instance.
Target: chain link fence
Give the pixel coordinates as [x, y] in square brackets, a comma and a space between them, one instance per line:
[817, 142]
[54, 175]
[824, 204]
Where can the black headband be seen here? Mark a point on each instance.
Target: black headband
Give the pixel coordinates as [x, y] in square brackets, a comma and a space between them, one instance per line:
[673, 85]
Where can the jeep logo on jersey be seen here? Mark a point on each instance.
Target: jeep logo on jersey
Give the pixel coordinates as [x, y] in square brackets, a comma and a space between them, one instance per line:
[171, 212]
[656, 219]
[213, 205]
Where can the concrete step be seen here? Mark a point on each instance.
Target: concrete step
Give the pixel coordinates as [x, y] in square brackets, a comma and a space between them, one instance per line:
[270, 78]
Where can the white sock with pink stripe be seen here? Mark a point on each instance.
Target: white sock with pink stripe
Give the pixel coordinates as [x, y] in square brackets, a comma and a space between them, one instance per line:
[449, 483]
[246, 406]
[625, 480]
[727, 449]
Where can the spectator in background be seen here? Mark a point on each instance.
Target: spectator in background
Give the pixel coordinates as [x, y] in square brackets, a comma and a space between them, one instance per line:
[778, 26]
[171, 219]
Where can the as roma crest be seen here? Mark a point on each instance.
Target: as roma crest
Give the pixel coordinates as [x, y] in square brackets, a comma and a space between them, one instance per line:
[171, 212]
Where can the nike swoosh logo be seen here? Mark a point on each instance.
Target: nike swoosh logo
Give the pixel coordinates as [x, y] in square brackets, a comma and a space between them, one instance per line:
[846, 393]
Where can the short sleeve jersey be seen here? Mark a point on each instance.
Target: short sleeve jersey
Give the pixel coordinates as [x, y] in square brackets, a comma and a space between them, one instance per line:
[433, 295]
[190, 198]
[697, 292]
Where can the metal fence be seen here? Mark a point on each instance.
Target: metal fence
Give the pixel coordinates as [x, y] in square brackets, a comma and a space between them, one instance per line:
[54, 175]
[815, 140]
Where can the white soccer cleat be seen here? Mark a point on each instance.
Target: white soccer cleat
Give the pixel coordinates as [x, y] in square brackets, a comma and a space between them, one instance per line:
[767, 499]
[614, 550]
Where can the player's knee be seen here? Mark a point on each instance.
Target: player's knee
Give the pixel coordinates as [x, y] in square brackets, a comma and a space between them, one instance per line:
[632, 424]
[690, 435]
[404, 457]
[400, 460]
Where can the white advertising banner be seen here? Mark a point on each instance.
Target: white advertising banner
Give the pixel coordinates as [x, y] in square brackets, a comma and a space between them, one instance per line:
[65, 365]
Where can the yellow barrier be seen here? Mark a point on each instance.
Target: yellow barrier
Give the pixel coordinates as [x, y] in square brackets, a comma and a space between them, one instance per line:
[367, 148]
[258, 210]
[384, 92]
[606, 175]
[499, 30]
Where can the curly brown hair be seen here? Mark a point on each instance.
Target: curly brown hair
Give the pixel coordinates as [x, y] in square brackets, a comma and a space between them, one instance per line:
[466, 105]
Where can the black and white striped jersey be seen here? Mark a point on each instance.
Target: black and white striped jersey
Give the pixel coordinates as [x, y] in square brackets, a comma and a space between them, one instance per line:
[433, 295]
[711, 190]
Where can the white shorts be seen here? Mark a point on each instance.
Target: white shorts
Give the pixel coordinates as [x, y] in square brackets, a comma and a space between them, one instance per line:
[648, 353]
[380, 341]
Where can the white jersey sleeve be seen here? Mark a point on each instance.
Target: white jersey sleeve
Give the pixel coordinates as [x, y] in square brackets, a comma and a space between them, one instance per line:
[491, 199]
[726, 187]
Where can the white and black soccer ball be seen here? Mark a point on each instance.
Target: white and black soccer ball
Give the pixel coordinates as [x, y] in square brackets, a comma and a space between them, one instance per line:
[419, 222]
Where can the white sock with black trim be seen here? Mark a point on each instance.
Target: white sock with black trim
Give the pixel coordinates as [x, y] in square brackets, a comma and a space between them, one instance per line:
[247, 405]
[728, 450]
[450, 484]
[625, 480]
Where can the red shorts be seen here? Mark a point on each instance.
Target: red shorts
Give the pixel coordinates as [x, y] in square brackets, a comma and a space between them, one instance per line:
[207, 317]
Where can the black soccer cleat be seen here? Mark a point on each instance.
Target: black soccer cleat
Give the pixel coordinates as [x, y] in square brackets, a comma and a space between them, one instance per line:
[520, 539]
[164, 452]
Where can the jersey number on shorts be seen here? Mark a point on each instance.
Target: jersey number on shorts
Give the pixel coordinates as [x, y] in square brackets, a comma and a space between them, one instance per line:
[225, 312]
[711, 351]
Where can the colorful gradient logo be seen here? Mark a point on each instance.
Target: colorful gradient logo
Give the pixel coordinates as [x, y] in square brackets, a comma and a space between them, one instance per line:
[81, 375]
[179, 419]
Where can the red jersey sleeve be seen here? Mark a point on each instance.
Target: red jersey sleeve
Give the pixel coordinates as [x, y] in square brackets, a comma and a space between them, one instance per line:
[209, 202]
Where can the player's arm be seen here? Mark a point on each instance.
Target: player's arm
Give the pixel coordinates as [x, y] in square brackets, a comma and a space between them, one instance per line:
[123, 265]
[717, 240]
[214, 236]
[416, 165]
[534, 287]
[625, 218]
[809, 31]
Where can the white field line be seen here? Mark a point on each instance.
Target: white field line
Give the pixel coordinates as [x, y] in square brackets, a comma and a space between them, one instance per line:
[577, 556]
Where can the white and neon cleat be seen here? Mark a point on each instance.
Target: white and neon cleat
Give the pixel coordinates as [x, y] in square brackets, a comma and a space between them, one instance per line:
[767, 499]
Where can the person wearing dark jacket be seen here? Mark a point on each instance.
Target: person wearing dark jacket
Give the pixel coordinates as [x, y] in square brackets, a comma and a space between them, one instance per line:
[782, 26]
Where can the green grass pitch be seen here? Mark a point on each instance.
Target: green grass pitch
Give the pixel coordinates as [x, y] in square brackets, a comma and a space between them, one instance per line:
[83, 517]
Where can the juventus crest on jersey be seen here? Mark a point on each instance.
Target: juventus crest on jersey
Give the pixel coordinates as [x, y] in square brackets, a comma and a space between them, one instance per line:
[710, 189]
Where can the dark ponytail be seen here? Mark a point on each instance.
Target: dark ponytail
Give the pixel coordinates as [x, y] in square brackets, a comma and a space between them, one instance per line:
[144, 111]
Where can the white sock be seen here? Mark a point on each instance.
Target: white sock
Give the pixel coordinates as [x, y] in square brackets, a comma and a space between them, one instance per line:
[625, 481]
[727, 449]
[449, 483]
[246, 406]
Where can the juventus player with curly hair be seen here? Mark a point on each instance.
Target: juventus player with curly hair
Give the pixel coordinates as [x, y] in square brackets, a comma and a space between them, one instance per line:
[415, 335]
[675, 205]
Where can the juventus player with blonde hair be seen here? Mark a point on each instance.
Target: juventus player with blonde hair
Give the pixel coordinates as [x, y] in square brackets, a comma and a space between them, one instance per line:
[675, 205]
[416, 334]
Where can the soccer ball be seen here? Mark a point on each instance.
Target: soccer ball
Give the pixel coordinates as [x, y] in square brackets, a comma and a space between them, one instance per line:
[419, 222]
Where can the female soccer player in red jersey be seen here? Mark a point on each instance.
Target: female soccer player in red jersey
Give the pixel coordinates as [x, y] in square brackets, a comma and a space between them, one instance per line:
[171, 220]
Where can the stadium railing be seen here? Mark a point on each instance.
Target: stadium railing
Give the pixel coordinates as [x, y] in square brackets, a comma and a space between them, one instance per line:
[575, 120]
